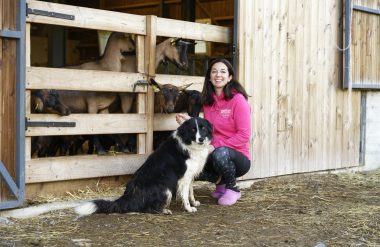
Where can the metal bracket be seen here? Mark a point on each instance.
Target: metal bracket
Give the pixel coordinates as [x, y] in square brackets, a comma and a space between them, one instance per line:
[48, 124]
[140, 83]
[49, 14]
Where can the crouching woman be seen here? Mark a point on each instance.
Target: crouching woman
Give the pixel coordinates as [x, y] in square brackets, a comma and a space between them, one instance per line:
[226, 107]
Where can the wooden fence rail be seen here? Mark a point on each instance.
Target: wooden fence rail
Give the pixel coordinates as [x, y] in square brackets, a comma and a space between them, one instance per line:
[39, 170]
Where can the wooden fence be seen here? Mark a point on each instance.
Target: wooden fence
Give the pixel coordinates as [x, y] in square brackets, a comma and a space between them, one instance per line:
[144, 122]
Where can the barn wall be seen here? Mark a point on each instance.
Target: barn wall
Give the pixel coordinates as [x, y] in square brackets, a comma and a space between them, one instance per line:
[290, 64]
[7, 93]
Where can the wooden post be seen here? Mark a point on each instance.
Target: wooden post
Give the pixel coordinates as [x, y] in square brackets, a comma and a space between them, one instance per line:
[150, 69]
[28, 140]
[141, 97]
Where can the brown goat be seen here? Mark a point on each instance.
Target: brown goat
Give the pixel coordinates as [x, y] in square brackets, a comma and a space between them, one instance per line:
[166, 98]
[171, 49]
[98, 102]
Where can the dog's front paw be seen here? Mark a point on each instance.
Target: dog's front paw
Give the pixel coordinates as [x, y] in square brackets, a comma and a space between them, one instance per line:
[166, 211]
[195, 203]
[191, 209]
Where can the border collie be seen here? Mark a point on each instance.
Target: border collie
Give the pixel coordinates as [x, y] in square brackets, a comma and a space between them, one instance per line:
[169, 171]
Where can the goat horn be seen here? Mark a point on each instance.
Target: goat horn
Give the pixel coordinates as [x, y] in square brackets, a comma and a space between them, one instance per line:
[185, 86]
[173, 41]
[155, 84]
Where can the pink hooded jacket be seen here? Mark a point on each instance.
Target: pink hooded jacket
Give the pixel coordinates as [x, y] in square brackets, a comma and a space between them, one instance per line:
[231, 122]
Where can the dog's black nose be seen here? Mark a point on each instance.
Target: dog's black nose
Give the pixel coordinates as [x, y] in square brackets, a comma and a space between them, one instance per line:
[201, 139]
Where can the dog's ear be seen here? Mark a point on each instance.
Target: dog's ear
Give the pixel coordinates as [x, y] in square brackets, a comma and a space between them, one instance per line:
[186, 131]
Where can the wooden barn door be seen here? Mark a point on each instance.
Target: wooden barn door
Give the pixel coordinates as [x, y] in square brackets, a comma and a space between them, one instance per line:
[12, 91]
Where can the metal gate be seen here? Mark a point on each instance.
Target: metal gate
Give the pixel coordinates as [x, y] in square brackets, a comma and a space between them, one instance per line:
[16, 186]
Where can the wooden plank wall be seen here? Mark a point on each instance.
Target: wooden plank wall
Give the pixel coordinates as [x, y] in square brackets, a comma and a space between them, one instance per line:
[7, 92]
[365, 46]
[290, 65]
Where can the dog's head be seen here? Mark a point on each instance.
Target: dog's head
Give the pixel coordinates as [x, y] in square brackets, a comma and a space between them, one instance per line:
[195, 130]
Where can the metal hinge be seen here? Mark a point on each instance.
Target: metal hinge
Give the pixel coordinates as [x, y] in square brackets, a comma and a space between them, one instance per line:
[49, 13]
[48, 124]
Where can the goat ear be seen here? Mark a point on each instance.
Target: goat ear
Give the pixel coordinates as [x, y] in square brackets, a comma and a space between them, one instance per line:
[173, 41]
[185, 86]
[155, 85]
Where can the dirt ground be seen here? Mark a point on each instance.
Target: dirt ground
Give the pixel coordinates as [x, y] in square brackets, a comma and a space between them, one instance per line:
[299, 210]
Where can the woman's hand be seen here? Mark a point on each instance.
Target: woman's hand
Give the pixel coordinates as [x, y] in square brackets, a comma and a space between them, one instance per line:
[180, 118]
[211, 149]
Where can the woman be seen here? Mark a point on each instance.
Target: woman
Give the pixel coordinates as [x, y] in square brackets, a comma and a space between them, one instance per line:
[226, 107]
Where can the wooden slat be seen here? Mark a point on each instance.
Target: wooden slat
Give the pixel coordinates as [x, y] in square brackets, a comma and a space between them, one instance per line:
[281, 100]
[89, 124]
[164, 122]
[91, 80]
[266, 96]
[140, 53]
[260, 165]
[272, 40]
[78, 167]
[195, 31]
[88, 18]
[298, 88]
[150, 69]
[141, 98]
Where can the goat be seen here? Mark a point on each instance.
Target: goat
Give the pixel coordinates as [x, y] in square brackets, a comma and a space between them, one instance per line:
[170, 98]
[47, 101]
[171, 49]
[117, 48]
[189, 101]
[118, 45]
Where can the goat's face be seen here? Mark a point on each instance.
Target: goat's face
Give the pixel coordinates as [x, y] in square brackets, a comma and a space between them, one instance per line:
[194, 102]
[168, 95]
[177, 53]
[47, 101]
[123, 43]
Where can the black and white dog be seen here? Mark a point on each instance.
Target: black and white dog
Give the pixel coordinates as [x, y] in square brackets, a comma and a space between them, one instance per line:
[168, 171]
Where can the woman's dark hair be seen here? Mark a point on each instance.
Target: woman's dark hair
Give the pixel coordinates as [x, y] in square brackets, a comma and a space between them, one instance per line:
[231, 88]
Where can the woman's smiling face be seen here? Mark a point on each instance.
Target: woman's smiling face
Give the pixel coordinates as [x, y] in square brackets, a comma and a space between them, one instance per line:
[219, 76]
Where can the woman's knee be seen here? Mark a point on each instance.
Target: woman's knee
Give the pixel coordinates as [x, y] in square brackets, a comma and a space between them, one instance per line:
[220, 153]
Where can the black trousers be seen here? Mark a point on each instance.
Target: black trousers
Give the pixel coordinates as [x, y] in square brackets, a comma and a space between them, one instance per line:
[226, 163]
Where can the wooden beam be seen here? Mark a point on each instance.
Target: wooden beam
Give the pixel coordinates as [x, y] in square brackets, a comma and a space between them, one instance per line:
[89, 80]
[88, 124]
[191, 30]
[81, 166]
[88, 18]
[141, 5]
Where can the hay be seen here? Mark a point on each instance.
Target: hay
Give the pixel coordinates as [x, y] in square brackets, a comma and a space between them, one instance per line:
[298, 210]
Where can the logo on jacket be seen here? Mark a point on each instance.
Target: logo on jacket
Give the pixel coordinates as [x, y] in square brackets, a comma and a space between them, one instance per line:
[225, 113]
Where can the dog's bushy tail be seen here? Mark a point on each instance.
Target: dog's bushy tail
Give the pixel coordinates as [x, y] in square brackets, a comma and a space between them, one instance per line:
[99, 207]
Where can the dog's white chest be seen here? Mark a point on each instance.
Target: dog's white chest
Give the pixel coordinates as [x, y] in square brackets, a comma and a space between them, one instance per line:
[196, 162]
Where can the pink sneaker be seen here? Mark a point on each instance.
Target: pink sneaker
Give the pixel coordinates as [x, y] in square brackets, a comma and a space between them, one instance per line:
[219, 191]
[229, 198]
